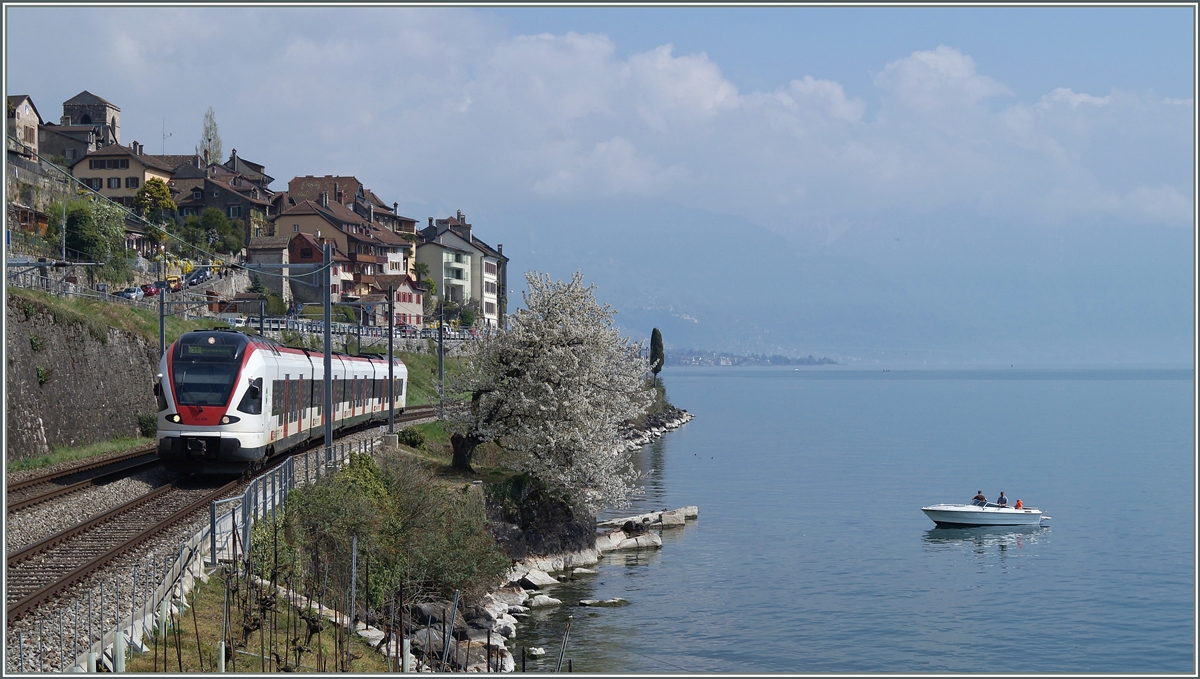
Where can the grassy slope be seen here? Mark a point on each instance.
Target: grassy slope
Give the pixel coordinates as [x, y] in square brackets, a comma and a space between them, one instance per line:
[205, 632]
[98, 316]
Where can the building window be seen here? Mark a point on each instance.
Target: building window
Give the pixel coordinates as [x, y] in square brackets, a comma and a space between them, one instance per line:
[333, 288]
[114, 182]
[306, 253]
[69, 154]
[295, 228]
[489, 267]
[235, 211]
[216, 194]
[132, 182]
[489, 287]
[197, 194]
[489, 308]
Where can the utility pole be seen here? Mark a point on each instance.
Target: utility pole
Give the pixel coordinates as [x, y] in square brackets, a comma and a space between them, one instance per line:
[328, 420]
[64, 232]
[391, 370]
[442, 356]
[162, 323]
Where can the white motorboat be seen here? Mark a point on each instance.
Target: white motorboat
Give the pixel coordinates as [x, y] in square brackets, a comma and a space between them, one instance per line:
[984, 515]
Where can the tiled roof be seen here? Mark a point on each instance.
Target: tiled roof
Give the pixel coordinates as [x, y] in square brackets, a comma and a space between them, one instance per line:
[86, 97]
[269, 242]
[174, 161]
[310, 187]
[118, 150]
[15, 99]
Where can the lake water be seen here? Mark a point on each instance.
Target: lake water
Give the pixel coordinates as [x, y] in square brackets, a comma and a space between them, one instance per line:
[811, 553]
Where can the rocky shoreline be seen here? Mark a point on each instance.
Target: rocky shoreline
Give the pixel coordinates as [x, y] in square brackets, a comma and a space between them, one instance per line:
[654, 426]
[478, 633]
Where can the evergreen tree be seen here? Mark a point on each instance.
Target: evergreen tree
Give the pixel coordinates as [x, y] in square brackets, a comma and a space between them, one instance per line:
[210, 139]
[656, 352]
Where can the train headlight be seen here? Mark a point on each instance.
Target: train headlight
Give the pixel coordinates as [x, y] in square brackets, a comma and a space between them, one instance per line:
[229, 419]
[175, 417]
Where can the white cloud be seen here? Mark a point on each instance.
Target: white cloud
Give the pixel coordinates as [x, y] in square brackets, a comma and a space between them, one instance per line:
[940, 80]
[611, 167]
[434, 105]
[672, 89]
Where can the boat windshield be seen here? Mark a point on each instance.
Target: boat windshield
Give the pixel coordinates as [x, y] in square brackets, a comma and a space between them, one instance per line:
[205, 367]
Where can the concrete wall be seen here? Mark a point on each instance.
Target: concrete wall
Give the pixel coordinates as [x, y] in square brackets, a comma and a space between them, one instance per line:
[92, 391]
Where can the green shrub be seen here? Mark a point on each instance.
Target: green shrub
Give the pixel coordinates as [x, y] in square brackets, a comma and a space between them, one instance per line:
[28, 309]
[148, 424]
[413, 438]
[35, 343]
[43, 374]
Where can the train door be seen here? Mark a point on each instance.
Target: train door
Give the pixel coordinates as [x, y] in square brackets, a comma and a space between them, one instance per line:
[287, 404]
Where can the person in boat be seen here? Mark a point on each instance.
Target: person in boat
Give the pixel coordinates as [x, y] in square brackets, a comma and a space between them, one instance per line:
[1019, 504]
[1001, 501]
[979, 499]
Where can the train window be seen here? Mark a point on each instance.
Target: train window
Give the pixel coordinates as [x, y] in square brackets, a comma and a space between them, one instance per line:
[277, 399]
[160, 397]
[252, 401]
[400, 389]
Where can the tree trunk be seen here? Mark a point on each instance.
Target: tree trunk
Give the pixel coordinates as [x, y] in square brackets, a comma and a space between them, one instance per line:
[464, 448]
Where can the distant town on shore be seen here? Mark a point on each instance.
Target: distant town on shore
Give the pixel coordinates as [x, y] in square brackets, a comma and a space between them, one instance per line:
[693, 357]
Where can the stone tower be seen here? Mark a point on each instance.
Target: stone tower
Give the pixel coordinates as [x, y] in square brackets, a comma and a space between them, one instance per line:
[86, 108]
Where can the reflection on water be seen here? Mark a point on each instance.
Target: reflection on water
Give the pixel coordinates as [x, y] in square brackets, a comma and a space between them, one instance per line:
[988, 545]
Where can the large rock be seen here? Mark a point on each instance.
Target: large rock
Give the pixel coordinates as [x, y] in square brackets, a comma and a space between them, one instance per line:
[609, 540]
[647, 541]
[543, 600]
[434, 612]
[606, 603]
[536, 579]
[510, 595]
[672, 518]
[426, 639]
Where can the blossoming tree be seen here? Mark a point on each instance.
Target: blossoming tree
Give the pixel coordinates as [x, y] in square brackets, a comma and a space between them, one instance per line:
[554, 390]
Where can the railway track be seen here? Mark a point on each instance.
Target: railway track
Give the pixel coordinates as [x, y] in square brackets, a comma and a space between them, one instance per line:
[38, 572]
[38, 489]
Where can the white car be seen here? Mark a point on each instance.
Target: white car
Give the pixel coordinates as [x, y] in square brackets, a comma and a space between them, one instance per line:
[132, 292]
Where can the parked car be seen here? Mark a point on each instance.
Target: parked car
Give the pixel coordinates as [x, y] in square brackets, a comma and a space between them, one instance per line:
[132, 292]
[175, 283]
[150, 289]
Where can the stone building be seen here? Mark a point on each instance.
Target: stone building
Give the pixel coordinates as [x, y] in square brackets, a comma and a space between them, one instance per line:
[87, 109]
[271, 250]
[23, 123]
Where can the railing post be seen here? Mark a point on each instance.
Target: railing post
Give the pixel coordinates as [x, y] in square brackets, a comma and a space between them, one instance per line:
[212, 533]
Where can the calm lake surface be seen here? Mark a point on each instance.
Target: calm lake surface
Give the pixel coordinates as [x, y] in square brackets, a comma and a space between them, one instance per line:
[811, 553]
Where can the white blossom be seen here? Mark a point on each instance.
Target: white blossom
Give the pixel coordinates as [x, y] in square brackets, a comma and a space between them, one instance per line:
[555, 389]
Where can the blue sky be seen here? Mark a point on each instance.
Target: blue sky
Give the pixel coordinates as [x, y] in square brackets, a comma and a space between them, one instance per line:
[946, 185]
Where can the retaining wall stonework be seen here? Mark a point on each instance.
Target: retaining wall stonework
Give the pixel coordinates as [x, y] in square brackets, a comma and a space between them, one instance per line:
[90, 391]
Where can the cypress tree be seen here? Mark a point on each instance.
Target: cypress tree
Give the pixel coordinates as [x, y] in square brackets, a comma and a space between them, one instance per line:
[656, 352]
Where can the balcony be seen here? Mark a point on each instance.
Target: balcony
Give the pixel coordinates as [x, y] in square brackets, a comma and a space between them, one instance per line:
[363, 258]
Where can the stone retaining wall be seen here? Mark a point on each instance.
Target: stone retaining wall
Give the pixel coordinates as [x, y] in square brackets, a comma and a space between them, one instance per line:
[66, 387]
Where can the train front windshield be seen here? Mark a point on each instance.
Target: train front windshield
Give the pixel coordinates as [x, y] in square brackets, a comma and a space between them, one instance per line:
[205, 368]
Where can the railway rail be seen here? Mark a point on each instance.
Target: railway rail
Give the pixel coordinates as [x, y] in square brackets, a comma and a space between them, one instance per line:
[39, 489]
[40, 571]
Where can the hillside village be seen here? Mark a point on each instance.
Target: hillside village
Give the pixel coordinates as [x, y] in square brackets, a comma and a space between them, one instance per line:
[374, 246]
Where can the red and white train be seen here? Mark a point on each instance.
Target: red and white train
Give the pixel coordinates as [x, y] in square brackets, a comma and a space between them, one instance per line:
[227, 401]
